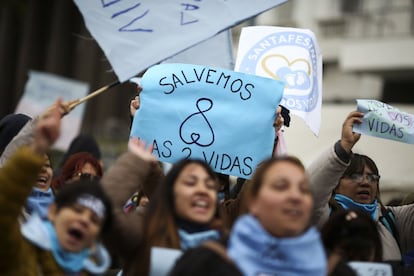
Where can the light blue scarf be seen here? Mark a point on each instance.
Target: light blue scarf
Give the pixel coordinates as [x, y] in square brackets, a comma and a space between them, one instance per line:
[69, 262]
[257, 252]
[348, 203]
[42, 234]
[190, 240]
[39, 201]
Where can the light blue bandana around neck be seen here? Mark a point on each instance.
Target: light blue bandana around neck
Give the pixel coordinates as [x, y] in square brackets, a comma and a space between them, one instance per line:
[70, 262]
[39, 201]
[348, 203]
[257, 252]
[42, 234]
[190, 240]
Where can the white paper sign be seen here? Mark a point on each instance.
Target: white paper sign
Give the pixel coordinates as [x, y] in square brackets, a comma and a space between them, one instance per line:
[290, 55]
[371, 269]
[163, 260]
[385, 121]
[137, 34]
[42, 90]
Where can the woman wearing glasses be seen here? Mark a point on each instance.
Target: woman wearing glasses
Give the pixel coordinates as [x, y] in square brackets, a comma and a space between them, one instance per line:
[345, 180]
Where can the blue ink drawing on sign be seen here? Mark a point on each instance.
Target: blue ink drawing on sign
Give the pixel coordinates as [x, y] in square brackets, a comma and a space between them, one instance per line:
[188, 7]
[125, 11]
[108, 3]
[124, 28]
[191, 122]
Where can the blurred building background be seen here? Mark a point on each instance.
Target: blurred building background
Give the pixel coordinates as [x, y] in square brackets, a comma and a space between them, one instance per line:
[367, 47]
[368, 52]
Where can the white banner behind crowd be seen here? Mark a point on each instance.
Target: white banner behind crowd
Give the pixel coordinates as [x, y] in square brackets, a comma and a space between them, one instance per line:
[290, 55]
[137, 34]
[42, 90]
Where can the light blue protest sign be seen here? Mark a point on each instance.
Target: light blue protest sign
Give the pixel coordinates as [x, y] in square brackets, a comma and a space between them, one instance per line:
[385, 121]
[290, 55]
[222, 117]
[137, 34]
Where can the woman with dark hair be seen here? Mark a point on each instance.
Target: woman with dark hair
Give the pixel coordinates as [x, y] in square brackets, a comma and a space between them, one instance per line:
[350, 235]
[182, 213]
[275, 236]
[10, 126]
[78, 165]
[209, 259]
[345, 180]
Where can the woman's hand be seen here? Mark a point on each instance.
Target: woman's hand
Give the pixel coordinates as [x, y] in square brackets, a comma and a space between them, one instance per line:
[279, 121]
[135, 102]
[348, 137]
[47, 129]
[138, 147]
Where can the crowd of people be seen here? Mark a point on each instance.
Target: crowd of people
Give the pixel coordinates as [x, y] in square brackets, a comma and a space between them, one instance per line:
[285, 220]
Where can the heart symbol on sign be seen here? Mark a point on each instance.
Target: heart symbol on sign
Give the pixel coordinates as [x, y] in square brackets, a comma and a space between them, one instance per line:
[195, 137]
[289, 64]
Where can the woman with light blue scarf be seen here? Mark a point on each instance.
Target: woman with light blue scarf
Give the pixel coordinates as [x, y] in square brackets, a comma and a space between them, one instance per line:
[275, 236]
[345, 180]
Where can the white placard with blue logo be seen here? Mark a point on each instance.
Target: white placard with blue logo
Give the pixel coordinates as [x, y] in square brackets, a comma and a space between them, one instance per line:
[290, 55]
[217, 115]
[137, 34]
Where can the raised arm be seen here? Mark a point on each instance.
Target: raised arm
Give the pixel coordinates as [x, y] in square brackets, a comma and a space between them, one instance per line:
[16, 180]
[326, 171]
[25, 136]
[131, 172]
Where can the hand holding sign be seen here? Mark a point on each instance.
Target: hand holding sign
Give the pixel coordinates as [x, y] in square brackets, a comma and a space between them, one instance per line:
[47, 129]
[348, 137]
[385, 121]
[223, 117]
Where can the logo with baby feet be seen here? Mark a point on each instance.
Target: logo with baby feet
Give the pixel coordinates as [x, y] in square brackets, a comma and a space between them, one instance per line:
[295, 74]
[289, 57]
